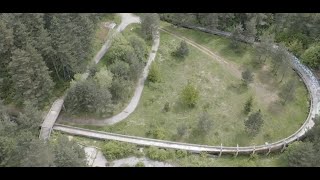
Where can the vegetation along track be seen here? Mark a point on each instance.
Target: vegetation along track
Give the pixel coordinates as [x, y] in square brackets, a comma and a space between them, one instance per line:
[303, 71]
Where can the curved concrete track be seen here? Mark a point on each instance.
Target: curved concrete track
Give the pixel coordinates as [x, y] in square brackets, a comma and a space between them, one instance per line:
[303, 71]
[50, 119]
[134, 100]
[314, 96]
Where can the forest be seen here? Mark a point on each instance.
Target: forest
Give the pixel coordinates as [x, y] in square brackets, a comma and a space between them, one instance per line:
[298, 32]
[45, 55]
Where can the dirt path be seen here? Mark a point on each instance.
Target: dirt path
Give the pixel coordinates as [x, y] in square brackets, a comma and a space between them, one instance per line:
[126, 19]
[135, 99]
[263, 94]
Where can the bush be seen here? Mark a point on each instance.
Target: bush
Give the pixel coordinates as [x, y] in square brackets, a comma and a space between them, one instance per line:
[181, 153]
[149, 25]
[158, 133]
[119, 50]
[158, 154]
[135, 70]
[183, 50]
[154, 73]
[116, 150]
[189, 95]
[248, 106]
[103, 77]
[120, 69]
[140, 164]
[139, 46]
[88, 97]
[300, 154]
[166, 107]
[312, 56]
[119, 89]
[247, 77]
[254, 123]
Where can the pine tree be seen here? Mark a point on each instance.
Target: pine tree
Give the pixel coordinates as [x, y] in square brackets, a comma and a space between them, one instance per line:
[68, 153]
[149, 25]
[30, 76]
[183, 50]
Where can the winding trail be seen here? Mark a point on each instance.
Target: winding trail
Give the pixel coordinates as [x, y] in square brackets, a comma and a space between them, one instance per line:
[126, 19]
[314, 96]
[303, 71]
[51, 117]
[133, 102]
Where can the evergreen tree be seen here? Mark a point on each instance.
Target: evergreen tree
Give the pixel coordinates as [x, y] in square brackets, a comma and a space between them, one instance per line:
[183, 50]
[30, 76]
[68, 153]
[149, 25]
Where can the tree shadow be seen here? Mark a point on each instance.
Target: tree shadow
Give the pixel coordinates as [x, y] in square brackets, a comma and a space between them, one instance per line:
[238, 88]
[197, 136]
[231, 50]
[241, 138]
[276, 107]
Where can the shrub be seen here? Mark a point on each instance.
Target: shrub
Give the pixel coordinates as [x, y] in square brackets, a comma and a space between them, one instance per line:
[166, 107]
[88, 97]
[183, 50]
[120, 69]
[158, 154]
[300, 154]
[254, 123]
[154, 73]
[181, 153]
[312, 56]
[248, 106]
[120, 89]
[158, 133]
[140, 164]
[116, 150]
[189, 95]
[247, 76]
[139, 46]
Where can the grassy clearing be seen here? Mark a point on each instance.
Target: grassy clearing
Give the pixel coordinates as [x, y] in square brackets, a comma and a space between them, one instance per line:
[224, 104]
[279, 121]
[230, 161]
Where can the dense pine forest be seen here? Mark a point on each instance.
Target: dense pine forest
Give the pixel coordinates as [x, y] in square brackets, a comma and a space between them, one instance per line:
[45, 55]
[299, 32]
[37, 53]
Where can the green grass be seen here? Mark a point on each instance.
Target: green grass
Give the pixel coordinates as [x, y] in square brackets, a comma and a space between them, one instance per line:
[196, 160]
[213, 82]
[229, 161]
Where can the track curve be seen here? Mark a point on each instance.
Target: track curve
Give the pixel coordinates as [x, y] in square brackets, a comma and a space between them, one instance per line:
[314, 95]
